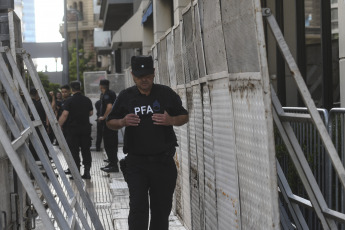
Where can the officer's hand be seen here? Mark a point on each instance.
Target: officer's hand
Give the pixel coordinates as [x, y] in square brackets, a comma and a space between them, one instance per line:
[131, 120]
[101, 118]
[162, 119]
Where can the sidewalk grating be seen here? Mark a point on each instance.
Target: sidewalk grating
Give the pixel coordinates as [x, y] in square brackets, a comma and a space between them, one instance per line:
[109, 193]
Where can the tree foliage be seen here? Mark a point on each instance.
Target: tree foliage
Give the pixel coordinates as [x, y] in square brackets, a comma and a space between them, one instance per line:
[47, 85]
[84, 64]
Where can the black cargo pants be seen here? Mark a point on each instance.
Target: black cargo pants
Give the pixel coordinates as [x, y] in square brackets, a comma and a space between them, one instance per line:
[155, 179]
[80, 140]
[110, 140]
[99, 134]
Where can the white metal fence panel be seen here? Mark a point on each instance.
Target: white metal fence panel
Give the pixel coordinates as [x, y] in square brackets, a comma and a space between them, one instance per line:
[162, 60]
[199, 136]
[213, 37]
[184, 52]
[185, 166]
[188, 31]
[225, 158]
[194, 180]
[170, 59]
[240, 32]
[209, 164]
[227, 186]
[180, 79]
[252, 155]
[199, 43]
[156, 63]
[178, 190]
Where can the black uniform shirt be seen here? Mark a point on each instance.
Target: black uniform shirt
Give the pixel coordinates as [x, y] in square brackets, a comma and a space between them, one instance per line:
[98, 108]
[40, 110]
[147, 138]
[79, 108]
[108, 97]
[59, 106]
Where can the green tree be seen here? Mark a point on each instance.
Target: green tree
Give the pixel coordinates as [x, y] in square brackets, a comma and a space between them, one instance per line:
[84, 64]
[47, 85]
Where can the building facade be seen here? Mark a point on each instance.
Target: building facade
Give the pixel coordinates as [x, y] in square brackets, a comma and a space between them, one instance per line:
[87, 20]
[138, 24]
[29, 21]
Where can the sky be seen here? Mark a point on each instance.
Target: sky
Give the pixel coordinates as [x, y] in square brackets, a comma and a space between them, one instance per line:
[49, 16]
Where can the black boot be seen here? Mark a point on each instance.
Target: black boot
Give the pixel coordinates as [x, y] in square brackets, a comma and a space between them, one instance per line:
[86, 175]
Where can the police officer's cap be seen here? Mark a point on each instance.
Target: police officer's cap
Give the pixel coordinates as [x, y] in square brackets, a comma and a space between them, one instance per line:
[104, 82]
[142, 65]
[33, 91]
[75, 85]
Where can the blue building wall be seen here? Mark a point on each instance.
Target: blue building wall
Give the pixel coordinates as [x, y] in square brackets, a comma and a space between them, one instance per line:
[29, 22]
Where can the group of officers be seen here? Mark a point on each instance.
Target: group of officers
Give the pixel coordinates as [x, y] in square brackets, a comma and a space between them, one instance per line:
[73, 111]
[148, 112]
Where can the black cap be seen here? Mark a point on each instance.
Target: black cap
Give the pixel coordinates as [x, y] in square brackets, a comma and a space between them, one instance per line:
[75, 85]
[33, 92]
[142, 65]
[104, 82]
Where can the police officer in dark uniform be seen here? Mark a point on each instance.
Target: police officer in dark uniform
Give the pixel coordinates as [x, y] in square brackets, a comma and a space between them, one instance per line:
[66, 93]
[78, 109]
[149, 112]
[43, 117]
[110, 137]
[99, 125]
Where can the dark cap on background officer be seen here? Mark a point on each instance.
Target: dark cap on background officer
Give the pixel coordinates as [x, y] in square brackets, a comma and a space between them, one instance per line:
[149, 112]
[110, 137]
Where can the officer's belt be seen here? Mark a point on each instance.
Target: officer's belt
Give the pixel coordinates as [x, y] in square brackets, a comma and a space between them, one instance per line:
[153, 158]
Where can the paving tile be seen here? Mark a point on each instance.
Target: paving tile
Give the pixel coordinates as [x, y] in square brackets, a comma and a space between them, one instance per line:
[108, 192]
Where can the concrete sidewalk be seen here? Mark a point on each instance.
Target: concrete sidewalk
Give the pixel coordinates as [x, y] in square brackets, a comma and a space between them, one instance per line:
[109, 193]
[120, 202]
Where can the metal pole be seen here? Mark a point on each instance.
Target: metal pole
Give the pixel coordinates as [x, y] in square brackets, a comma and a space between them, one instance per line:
[281, 85]
[341, 26]
[326, 42]
[301, 49]
[65, 47]
[78, 79]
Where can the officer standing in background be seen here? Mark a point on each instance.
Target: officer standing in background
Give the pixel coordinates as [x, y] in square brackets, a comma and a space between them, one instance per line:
[99, 125]
[44, 119]
[110, 137]
[76, 112]
[149, 112]
[66, 93]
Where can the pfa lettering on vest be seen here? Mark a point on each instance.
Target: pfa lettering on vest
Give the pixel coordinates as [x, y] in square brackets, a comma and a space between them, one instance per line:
[143, 110]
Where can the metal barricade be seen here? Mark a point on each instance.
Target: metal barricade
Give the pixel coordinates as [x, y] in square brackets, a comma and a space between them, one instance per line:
[336, 128]
[314, 151]
[91, 83]
[225, 158]
[117, 82]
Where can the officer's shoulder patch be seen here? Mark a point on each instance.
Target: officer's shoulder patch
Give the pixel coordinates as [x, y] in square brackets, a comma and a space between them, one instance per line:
[106, 96]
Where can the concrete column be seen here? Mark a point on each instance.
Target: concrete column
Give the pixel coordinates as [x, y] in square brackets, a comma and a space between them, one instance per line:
[179, 5]
[341, 21]
[162, 18]
[148, 39]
